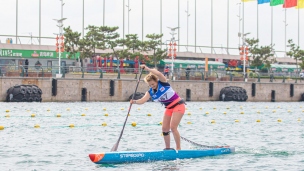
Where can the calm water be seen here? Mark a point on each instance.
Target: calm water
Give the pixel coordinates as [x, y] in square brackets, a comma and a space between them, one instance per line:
[264, 145]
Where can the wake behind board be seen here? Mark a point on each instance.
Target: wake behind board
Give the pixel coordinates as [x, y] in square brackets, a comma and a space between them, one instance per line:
[161, 155]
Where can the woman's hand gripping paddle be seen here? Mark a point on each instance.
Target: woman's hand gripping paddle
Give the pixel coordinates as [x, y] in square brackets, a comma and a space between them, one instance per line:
[114, 148]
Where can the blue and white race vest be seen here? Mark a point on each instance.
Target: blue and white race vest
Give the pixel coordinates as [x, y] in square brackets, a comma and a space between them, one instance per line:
[164, 93]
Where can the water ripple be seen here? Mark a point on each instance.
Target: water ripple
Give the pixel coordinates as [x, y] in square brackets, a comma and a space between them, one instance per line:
[264, 145]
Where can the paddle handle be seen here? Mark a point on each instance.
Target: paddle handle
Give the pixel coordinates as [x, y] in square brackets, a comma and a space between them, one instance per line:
[114, 148]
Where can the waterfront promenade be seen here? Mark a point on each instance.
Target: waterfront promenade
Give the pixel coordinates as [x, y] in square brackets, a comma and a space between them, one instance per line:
[70, 89]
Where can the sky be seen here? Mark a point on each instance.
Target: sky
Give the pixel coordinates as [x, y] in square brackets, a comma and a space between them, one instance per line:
[28, 21]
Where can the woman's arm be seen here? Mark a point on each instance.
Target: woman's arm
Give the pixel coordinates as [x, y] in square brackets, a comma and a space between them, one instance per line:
[142, 100]
[160, 76]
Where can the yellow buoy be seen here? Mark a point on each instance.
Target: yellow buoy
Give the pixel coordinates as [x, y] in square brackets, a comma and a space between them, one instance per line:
[68, 109]
[189, 113]
[214, 108]
[212, 121]
[36, 126]
[106, 114]
[207, 113]
[138, 109]
[104, 109]
[266, 107]
[242, 112]
[149, 114]
[299, 119]
[302, 110]
[129, 114]
[122, 109]
[33, 115]
[58, 115]
[189, 123]
[273, 111]
[201, 108]
[7, 111]
[28, 110]
[86, 109]
[1, 127]
[48, 110]
[83, 114]
[227, 108]
[258, 112]
[258, 120]
[279, 120]
[278, 107]
[7, 116]
[104, 124]
[71, 125]
[289, 111]
[236, 120]
[300, 106]
[225, 113]
[133, 124]
[161, 123]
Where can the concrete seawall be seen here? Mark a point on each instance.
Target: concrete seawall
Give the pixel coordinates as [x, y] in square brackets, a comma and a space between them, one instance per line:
[69, 90]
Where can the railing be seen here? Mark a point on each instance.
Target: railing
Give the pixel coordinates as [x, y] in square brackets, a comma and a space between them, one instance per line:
[132, 73]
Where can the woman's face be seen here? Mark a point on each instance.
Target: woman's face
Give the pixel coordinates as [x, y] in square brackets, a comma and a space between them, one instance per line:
[152, 84]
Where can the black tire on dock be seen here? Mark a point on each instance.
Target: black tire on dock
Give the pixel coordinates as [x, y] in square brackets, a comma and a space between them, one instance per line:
[24, 93]
[233, 93]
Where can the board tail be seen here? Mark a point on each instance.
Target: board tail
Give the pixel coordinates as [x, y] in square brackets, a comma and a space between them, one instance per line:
[96, 157]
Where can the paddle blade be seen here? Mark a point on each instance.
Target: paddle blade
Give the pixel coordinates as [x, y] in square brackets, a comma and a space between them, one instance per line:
[115, 147]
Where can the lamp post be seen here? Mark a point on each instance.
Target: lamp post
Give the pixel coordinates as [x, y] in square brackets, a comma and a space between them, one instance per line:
[17, 21]
[128, 6]
[82, 18]
[285, 24]
[240, 20]
[104, 13]
[173, 41]
[244, 54]
[188, 15]
[60, 25]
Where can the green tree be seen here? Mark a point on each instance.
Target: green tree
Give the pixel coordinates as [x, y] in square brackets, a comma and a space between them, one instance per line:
[295, 52]
[133, 44]
[260, 55]
[85, 48]
[95, 39]
[135, 47]
[71, 41]
[111, 38]
[153, 44]
[301, 53]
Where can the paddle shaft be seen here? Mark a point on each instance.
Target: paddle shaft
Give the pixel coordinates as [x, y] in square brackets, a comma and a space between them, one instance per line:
[114, 148]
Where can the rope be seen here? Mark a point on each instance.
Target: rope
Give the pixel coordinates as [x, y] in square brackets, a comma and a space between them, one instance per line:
[200, 145]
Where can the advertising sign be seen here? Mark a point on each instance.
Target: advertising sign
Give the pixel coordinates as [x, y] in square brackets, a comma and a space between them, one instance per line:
[33, 54]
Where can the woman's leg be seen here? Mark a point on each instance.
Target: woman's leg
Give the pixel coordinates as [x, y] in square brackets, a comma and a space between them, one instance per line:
[176, 118]
[166, 127]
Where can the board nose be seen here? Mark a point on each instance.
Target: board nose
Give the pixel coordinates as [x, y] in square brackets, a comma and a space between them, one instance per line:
[92, 157]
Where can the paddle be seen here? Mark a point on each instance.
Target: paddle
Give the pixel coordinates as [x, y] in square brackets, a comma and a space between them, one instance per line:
[114, 148]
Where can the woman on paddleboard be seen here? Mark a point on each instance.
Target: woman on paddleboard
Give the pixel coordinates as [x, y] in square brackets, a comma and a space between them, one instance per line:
[161, 91]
